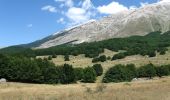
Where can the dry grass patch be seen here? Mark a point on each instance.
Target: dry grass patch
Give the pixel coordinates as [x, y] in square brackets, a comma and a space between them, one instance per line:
[147, 90]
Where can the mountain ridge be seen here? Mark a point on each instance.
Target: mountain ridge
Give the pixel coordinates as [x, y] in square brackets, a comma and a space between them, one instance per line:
[141, 21]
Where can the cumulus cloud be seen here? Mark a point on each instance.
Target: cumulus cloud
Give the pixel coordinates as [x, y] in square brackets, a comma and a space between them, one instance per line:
[164, 0]
[144, 4]
[78, 15]
[67, 3]
[61, 20]
[49, 8]
[112, 8]
[133, 7]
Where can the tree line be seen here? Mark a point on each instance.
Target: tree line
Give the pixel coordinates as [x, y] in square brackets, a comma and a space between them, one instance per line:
[143, 45]
[122, 73]
[31, 70]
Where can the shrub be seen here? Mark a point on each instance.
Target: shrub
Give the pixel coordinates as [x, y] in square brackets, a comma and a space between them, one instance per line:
[98, 69]
[78, 73]
[66, 74]
[108, 58]
[89, 75]
[151, 54]
[147, 71]
[49, 57]
[101, 58]
[54, 56]
[162, 71]
[94, 60]
[66, 58]
[119, 73]
[118, 56]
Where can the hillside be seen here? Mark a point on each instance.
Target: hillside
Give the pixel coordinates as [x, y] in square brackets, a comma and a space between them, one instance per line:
[141, 21]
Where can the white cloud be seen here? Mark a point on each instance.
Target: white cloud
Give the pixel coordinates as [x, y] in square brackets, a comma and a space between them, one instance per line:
[77, 15]
[82, 14]
[133, 7]
[144, 4]
[67, 3]
[164, 1]
[29, 25]
[87, 4]
[112, 8]
[61, 20]
[49, 8]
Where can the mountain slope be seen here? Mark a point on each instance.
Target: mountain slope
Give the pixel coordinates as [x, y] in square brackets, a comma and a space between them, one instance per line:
[141, 21]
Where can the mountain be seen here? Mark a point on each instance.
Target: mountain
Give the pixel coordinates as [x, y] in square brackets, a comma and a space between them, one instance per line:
[141, 21]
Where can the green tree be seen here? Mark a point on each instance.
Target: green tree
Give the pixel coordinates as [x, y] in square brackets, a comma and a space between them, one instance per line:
[119, 73]
[54, 56]
[162, 71]
[147, 71]
[98, 69]
[66, 58]
[49, 57]
[89, 75]
[102, 58]
[66, 74]
[78, 73]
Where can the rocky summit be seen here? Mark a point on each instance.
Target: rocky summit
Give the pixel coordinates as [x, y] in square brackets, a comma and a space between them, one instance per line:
[140, 21]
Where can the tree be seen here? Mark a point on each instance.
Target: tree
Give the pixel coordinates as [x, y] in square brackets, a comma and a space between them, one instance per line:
[66, 74]
[54, 56]
[49, 58]
[131, 69]
[89, 75]
[108, 58]
[119, 73]
[95, 60]
[151, 54]
[118, 56]
[78, 73]
[102, 58]
[66, 58]
[147, 71]
[162, 71]
[98, 69]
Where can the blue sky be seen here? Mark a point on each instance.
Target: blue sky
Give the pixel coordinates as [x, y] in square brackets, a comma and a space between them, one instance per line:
[24, 21]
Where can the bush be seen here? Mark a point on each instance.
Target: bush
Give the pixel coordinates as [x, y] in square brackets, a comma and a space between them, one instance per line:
[151, 54]
[66, 74]
[120, 73]
[95, 60]
[162, 51]
[118, 56]
[162, 71]
[147, 71]
[99, 59]
[102, 58]
[66, 58]
[78, 73]
[54, 56]
[49, 57]
[108, 58]
[98, 69]
[89, 75]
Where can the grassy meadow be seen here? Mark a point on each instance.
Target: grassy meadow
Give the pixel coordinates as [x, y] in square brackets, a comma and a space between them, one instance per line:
[156, 89]
[138, 60]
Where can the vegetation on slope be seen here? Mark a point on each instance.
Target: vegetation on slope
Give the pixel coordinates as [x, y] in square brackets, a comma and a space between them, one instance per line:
[143, 45]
